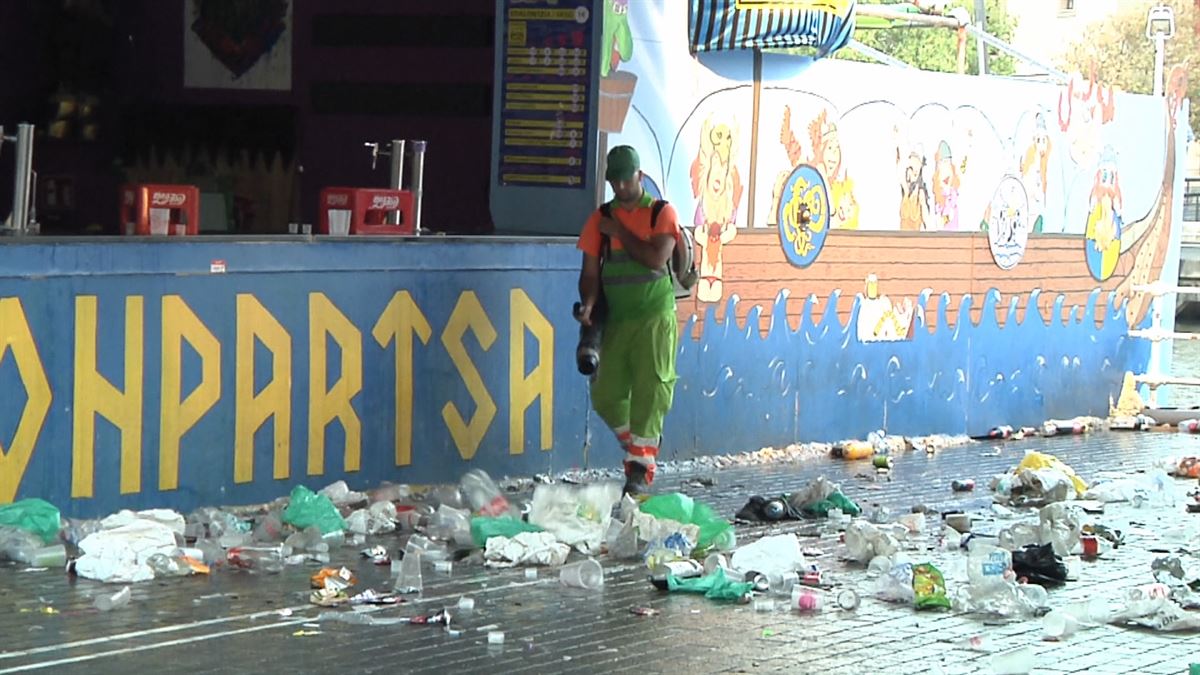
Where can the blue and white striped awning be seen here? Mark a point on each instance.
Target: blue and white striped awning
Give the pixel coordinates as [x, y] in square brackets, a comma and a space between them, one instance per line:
[755, 24]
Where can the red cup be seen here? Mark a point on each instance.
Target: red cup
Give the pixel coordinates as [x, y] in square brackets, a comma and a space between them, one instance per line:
[1091, 545]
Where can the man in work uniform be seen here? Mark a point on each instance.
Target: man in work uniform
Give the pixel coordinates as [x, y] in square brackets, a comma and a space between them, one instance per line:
[625, 257]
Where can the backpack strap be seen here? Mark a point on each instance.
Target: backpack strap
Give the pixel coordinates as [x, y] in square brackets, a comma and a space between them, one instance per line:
[655, 211]
[605, 242]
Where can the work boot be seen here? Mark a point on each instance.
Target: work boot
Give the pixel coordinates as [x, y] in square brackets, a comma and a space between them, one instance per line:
[636, 484]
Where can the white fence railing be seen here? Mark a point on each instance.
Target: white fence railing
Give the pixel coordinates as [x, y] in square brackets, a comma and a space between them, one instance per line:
[1156, 334]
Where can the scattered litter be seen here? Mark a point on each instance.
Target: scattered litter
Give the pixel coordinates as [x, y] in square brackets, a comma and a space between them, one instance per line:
[109, 602]
[644, 611]
[334, 579]
[587, 574]
[305, 633]
[526, 548]
[377, 554]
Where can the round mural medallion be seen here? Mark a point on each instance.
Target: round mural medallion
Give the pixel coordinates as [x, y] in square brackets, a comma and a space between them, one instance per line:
[1008, 222]
[803, 215]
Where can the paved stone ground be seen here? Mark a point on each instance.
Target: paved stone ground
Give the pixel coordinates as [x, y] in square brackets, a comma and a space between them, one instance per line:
[230, 622]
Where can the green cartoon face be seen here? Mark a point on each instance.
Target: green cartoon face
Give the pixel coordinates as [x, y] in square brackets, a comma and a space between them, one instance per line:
[617, 45]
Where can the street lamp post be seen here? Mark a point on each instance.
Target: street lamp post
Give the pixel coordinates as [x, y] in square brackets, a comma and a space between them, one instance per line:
[1160, 27]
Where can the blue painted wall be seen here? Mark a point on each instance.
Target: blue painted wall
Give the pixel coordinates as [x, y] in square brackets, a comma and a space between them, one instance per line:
[738, 390]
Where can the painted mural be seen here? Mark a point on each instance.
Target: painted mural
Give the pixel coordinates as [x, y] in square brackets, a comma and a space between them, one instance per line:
[928, 251]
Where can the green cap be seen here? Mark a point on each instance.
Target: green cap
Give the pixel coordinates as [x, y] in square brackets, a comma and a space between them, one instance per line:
[623, 163]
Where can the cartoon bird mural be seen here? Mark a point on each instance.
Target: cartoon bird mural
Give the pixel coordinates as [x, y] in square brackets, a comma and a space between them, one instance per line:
[617, 37]
[717, 185]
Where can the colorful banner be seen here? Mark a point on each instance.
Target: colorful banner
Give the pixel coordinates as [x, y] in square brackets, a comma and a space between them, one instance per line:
[754, 24]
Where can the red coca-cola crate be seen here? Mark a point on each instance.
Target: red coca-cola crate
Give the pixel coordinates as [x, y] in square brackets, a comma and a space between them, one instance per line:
[364, 211]
[159, 209]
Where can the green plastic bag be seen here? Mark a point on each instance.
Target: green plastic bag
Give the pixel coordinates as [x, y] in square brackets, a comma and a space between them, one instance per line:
[33, 515]
[680, 507]
[308, 508]
[835, 500]
[484, 528]
[715, 586]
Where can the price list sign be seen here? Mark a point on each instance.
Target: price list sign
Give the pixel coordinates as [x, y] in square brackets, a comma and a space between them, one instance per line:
[544, 114]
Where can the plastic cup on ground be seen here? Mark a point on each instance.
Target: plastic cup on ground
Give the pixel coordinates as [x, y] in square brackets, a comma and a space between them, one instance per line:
[531, 574]
[807, 600]
[1059, 625]
[1013, 662]
[495, 637]
[583, 574]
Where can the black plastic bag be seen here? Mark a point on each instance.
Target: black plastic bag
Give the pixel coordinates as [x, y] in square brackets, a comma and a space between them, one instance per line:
[1040, 565]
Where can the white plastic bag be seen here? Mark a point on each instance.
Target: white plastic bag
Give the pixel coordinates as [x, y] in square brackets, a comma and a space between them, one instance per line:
[120, 554]
[775, 554]
[576, 516]
[527, 548]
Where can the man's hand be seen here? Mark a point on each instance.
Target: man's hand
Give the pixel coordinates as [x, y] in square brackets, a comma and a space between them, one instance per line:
[610, 227]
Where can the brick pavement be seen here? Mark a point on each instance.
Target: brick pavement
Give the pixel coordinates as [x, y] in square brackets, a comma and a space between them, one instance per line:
[230, 621]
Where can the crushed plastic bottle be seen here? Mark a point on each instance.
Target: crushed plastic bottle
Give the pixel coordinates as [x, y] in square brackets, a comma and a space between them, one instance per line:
[484, 495]
[168, 566]
[262, 559]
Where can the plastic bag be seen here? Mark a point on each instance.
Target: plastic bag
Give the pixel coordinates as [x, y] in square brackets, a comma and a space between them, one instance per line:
[865, 541]
[526, 548]
[778, 553]
[988, 567]
[897, 584]
[929, 587]
[484, 528]
[714, 531]
[1040, 565]
[33, 515]
[835, 500]
[122, 554]
[309, 508]
[1037, 460]
[1060, 525]
[576, 516]
[715, 586]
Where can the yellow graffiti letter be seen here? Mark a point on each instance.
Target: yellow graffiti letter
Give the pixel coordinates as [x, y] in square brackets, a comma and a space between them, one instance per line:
[180, 323]
[15, 333]
[522, 389]
[401, 319]
[325, 404]
[275, 399]
[468, 313]
[95, 395]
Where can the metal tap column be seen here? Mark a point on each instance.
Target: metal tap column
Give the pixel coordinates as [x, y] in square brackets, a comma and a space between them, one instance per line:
[22, 181]
[417, 183]
[397, 157]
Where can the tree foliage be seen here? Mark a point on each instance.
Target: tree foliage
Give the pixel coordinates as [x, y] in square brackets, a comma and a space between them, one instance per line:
[937, 48]
[1124, 57]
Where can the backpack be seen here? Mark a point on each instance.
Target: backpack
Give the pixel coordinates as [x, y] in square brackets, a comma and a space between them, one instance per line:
[682, 266]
